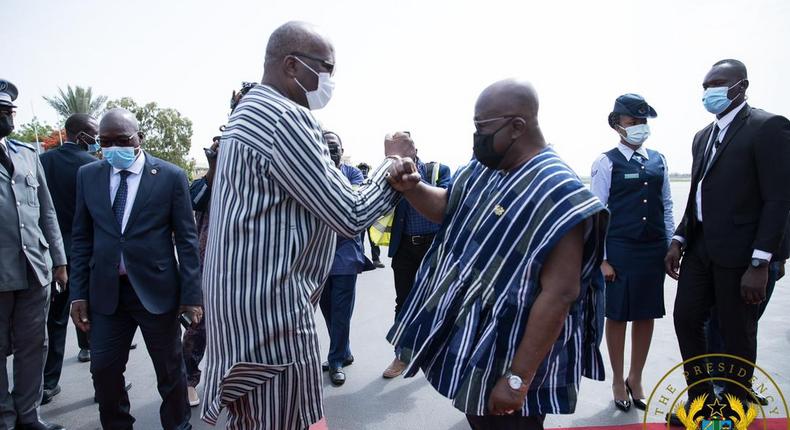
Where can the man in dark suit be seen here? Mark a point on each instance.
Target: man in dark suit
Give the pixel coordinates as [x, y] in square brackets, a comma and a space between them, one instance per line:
[412, 235]
[733, 226]
[60, 168]
[133, 213]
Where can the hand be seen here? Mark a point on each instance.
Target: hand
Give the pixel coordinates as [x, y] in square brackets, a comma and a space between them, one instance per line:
[399, 144]
[608, 271]
[61, 277]
[196, 313]
[672, 260]
[505, 400]
[79, 314]
[753, 284]
[403, 174]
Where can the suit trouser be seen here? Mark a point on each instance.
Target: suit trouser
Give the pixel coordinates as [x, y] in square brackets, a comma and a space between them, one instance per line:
[111, 336]
[702, 286]
[715, 342]
[505, 422]
[23, 315]
[337, 305]
[57, 328]
[405, 265]
[375, 250]
[193, 349]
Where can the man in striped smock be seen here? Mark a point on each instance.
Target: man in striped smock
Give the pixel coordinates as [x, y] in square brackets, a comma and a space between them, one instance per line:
[507, 309]
[277, 201]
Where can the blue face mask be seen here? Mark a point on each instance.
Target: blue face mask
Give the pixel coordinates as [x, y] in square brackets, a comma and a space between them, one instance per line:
[715, 98]
[93, 148]
[120, 157]
[636, 134]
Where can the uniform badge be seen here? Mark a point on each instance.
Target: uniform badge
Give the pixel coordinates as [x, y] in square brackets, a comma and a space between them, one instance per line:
[154, 171]
[498, 210]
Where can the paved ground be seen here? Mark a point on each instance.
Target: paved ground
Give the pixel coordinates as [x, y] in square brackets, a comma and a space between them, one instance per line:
[367, 401]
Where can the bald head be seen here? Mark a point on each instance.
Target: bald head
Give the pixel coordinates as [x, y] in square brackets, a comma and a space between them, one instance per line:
[119, 127]
[508, 97]
[119, 118]
[294, 36]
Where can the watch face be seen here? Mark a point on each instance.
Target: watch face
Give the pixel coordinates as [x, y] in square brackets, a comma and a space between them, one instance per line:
[514, 382]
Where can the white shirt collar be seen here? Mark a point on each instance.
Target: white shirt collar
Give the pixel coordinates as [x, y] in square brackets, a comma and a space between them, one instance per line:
[628, 152]
[137, 165]
[726, 120]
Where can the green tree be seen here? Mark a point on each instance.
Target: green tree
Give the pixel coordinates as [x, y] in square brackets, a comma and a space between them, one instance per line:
[27, 132]
[76, 100]
[167, 133]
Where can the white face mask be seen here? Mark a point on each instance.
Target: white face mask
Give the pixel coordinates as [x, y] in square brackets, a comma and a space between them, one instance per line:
[319, 97]
[636, 134]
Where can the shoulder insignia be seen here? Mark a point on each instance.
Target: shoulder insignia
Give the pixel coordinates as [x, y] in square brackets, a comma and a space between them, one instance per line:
[18, 144]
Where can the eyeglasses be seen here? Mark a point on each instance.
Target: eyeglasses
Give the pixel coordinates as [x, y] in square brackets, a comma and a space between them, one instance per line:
[118, 141]
[329, 67]
[483, 122]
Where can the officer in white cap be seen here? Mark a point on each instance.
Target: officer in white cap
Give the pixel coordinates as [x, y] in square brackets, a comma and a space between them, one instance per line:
[31, 258]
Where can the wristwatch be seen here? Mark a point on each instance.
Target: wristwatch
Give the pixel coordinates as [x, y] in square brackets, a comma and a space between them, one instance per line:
[759, 263]
[514, 381]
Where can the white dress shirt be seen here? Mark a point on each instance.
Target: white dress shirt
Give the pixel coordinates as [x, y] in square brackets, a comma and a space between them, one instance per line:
[132, 184]
[601, 182]
[724, 124]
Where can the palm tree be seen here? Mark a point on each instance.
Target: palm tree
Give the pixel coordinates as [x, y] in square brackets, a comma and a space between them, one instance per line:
[76, 100]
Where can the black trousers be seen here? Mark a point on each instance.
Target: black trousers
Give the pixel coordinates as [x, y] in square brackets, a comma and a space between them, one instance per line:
[111, 336]
[375, 250]
[505, 422]
[702, 286]
[57, 328]
[405, 264]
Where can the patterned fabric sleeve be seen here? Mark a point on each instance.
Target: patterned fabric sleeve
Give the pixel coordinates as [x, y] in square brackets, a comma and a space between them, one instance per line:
[301, 164]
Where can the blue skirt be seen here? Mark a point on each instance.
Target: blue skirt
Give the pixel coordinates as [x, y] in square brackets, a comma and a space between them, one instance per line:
[637, 292]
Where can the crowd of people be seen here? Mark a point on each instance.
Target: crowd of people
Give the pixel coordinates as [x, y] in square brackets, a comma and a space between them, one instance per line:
[508, 273]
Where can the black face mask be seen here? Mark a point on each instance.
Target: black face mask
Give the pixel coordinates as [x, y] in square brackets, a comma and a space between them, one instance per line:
[6, 125]
[334, 154]
[483, 148]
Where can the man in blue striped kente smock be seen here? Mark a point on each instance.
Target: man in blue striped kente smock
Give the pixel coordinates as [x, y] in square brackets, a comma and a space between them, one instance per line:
[506, 314]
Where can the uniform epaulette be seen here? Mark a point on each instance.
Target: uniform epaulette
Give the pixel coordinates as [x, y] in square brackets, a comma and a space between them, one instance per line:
[18, 144]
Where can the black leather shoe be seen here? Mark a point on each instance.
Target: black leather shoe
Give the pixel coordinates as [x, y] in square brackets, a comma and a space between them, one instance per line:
[47, 396]
[337, 377]
[638, 403]
[39, 425]
[378, 264]
[347, 362]
[623, 405]
[84, 356]
[127, 388]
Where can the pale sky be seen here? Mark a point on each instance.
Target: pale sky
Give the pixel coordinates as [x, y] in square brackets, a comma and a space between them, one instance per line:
[410, 65]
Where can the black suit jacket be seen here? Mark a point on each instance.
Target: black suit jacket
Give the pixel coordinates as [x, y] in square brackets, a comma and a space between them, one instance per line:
[160, 224]
[746, 191]
[60, 168]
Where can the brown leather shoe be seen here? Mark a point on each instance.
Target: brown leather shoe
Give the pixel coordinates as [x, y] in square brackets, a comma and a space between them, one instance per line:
[394, 370]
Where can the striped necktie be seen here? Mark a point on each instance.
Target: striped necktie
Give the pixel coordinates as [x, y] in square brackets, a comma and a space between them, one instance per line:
[119, 203]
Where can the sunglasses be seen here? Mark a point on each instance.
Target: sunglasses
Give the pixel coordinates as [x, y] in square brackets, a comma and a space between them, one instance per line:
[118, 141]
[329, 67]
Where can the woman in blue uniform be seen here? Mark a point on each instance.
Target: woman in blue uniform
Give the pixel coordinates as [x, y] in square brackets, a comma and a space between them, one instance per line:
[633, 182]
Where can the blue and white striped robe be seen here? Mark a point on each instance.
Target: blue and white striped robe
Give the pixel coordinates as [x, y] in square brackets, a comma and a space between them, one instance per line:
[276, 205]
[468, 310]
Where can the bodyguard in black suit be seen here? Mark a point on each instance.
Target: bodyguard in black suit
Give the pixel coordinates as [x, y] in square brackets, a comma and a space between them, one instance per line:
[133, 213]
[733, 226]
[60, 168]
